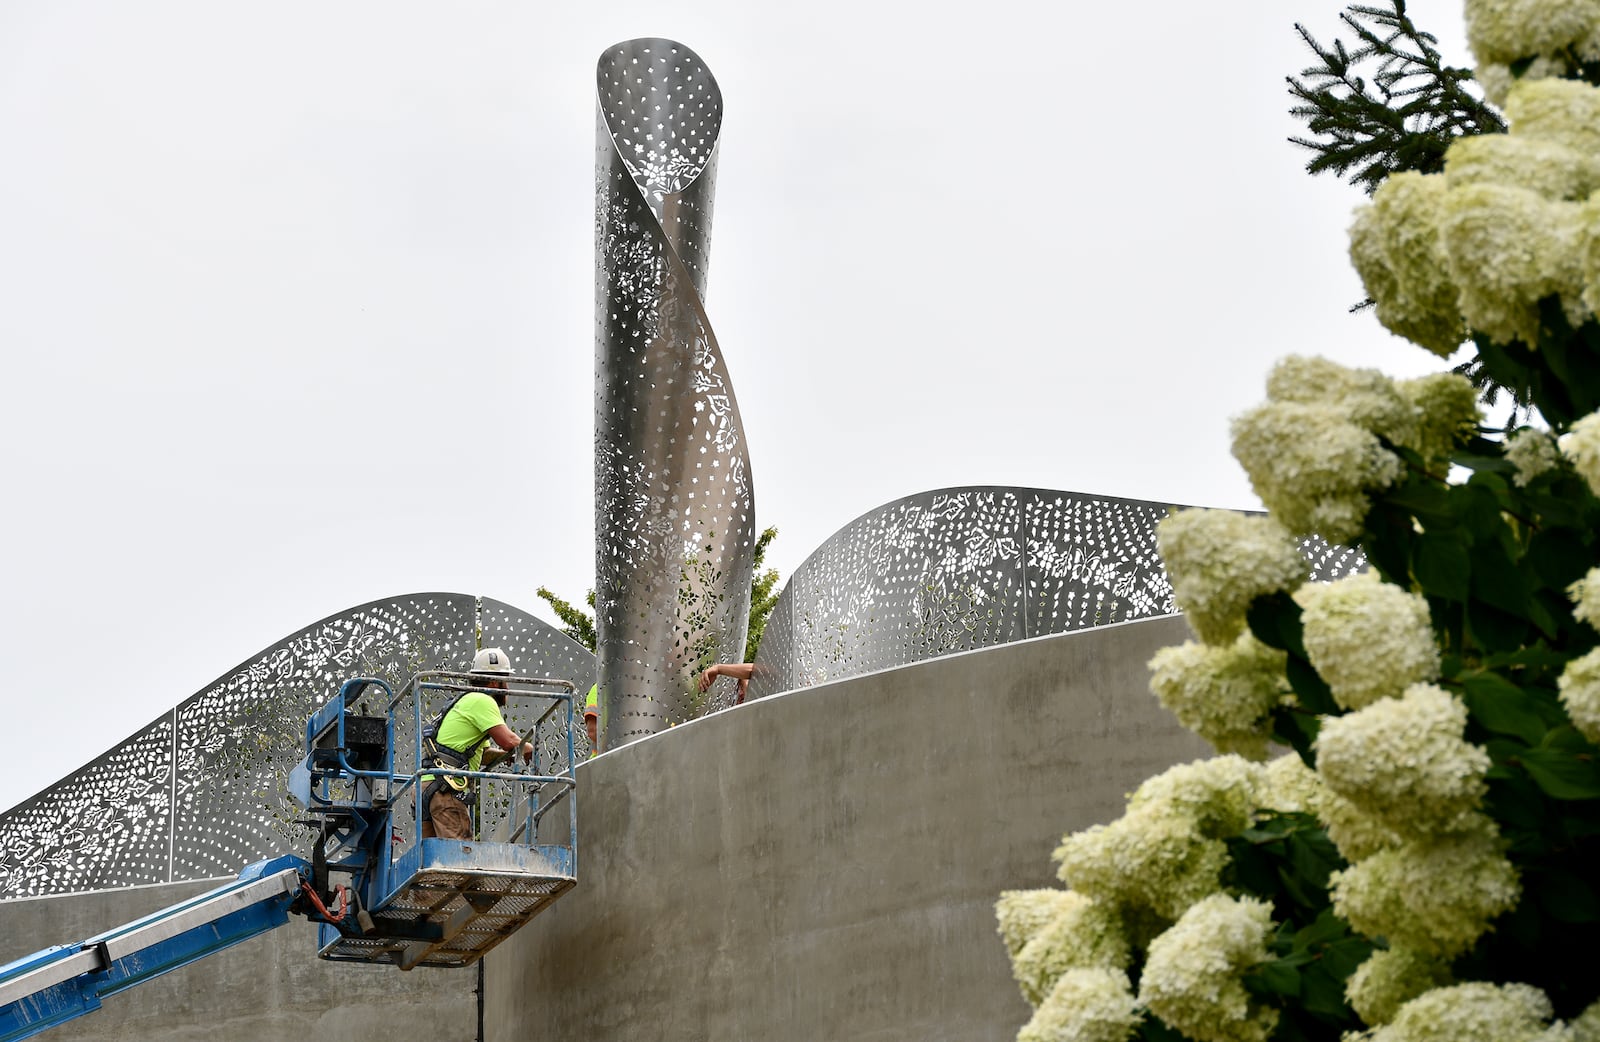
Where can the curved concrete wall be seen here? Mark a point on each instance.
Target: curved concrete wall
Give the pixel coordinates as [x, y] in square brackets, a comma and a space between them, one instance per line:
[824, 864]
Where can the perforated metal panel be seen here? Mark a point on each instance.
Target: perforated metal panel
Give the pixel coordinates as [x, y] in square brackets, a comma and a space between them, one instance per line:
[674, 506]
[129, 818]
[963, 568]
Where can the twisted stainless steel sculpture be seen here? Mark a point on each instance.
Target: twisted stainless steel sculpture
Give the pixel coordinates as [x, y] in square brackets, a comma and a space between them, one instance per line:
[674, 507]
[962, 568]
[201, 791]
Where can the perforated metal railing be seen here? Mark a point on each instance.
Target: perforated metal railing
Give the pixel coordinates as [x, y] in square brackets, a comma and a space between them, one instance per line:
[201, 791]
[962, 568]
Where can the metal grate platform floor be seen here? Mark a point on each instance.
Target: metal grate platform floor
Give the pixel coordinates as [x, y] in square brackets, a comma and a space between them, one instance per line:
[449, 917]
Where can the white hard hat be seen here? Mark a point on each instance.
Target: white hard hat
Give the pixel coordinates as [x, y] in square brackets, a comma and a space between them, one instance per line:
[491, 660]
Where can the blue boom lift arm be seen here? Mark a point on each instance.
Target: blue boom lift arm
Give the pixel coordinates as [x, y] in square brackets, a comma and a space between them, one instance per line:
[65, 982]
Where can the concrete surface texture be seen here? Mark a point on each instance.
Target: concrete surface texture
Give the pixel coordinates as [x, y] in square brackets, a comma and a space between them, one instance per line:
[271, 988]
[824, 864]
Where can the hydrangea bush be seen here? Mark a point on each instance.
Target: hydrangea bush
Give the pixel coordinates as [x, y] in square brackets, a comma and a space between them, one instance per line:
[1419, 860]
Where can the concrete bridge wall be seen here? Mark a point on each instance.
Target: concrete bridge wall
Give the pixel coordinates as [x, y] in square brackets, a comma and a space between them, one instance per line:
[816, 865]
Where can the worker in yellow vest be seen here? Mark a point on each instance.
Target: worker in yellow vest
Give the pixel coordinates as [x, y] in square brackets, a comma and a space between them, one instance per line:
[591, 719]
[462, 734]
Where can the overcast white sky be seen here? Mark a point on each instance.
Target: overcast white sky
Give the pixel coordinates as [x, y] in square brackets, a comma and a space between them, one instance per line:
[278, 280]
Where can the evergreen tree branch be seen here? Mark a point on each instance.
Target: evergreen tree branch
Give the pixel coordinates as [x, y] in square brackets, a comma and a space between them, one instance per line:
[1388, 104]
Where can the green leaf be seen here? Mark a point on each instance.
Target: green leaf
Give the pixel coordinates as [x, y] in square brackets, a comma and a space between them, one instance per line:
[1274, 978]
[1537, 656]
[1423, 498]
[1493, 629]
[1272, 826]
[1387, 542]
[1478, 505]
[1297, 889]
[1342, 958]
[1567, 738]
[1565, 896]
[1442, 566]
[1496, 580]
[1323, 992]
[1550, 623]
[1309, 687]
[1560, 500]
[1328, 927]
[1503, 707]
[1298, 730]
[1562, 774]
[1314, 857]
[1275, 621]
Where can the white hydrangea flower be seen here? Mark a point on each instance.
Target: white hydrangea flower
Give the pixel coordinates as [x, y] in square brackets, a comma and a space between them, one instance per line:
[1567, 263]
[1476, 1012]
[1085, 1006]
[1219, 561]
[1357, 834]
[1367, 397]
[1312, 467]
[1023, 913]
[1581, 445]
[1155, 859]
[1585, 595]
[1564, 111]
[1497, 81]
[1389, 979]
[1287, 784]
[1586, 1027]
[1223, 694]
[1532, 452]
[1367, 638]
[1433, 896]
[1449, 412]
[1404, 761]
[1395, 247]
[1507, 248]
[1218, 794]
[1547, 167]
[1579, 684]
[1508, 30]
[1588, 251]
[1085, 934]
[1193, 974]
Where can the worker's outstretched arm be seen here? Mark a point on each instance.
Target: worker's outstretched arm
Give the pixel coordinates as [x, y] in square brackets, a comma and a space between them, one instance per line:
[507, 739]
[736, 670]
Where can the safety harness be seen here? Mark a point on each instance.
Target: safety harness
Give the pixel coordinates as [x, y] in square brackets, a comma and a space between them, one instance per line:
[436, 754]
